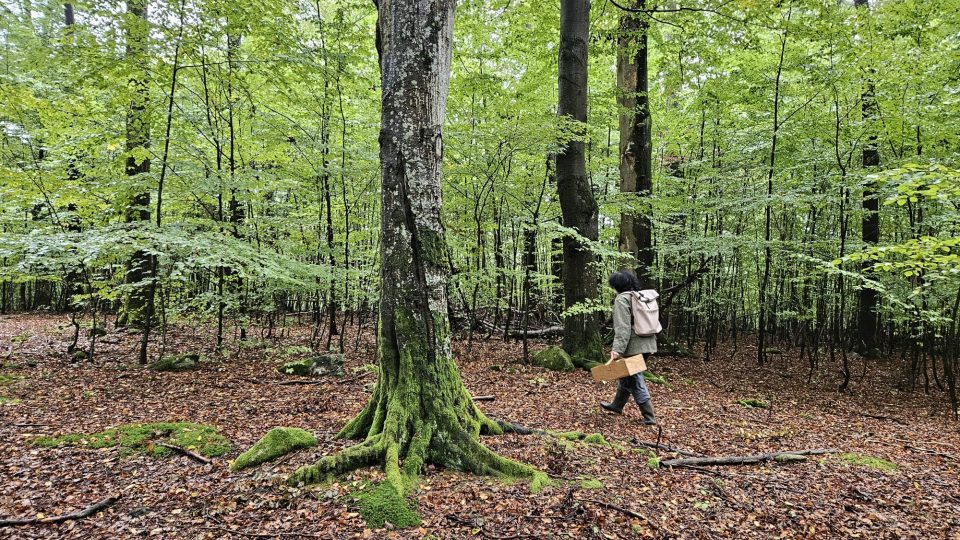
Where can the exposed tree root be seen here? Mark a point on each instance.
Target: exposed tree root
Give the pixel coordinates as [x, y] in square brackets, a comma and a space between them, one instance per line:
[402, 444]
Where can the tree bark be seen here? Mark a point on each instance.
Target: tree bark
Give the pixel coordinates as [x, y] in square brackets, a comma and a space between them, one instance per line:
[581, 337]
[420, 410]
[636, 143]
[138, 141]
[867, 322]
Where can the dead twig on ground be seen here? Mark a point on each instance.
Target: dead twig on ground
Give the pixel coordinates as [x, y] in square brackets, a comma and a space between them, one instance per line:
[622, 510]
[185, 452]
[86, 512]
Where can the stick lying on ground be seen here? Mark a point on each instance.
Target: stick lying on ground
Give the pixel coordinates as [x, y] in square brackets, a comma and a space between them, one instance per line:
[788, 456]
[88, 511]
[184, 451]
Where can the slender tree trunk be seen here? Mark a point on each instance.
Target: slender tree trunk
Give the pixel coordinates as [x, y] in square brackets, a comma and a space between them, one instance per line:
[420, 411]
[867, 323]
[636, 144]
[581, 336]
[767, 254]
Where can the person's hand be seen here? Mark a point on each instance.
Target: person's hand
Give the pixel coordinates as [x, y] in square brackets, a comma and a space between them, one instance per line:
[613, 356]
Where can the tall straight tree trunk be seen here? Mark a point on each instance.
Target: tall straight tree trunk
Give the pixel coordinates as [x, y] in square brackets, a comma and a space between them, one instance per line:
[420, 410]
[867, 323]
[137, 163]
[581, 336]
[767, 254]
[636, 143]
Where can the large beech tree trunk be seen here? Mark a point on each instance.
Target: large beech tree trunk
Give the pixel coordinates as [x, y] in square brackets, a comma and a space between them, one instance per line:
[636, 143]
[581, 337]
[137, 163]
[420, 410]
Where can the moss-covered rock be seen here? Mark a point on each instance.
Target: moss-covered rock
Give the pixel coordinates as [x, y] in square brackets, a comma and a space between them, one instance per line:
[324, 364]
[178, 362]
[199, 438]
[277, 442]
[299, 367]
[553, 358]
[381, 504]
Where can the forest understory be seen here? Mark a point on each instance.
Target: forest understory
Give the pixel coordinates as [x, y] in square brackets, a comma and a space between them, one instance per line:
[895, 476]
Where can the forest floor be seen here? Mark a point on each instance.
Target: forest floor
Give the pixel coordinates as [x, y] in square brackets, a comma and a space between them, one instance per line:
[597, 492]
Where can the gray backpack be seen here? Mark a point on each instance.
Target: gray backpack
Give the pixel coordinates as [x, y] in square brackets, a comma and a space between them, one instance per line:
[645, 311]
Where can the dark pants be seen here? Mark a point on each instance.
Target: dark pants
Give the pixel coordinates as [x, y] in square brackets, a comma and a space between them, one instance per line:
[633, 385]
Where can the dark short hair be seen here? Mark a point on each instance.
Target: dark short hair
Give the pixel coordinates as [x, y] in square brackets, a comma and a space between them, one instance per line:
[623, 281]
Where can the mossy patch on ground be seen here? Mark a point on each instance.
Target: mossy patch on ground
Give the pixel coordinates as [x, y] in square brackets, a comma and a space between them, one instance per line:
[178, 362]
[588, 438]
[553, 358]
[380, 504]
[869, 461]
[8, 379]
[753, 403]
[654, 378]
[198, 438]
[9, 401]
[277, 442]
[591, 483]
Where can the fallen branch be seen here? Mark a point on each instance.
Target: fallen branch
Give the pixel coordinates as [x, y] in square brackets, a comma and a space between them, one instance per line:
[786, 456]
[88, 511]
[185, 452]
[666, 448]
[298, 382]
[484, 398]
[882, 417]
[904, 444]
[510, 427]
[549, 331]
[622, 510]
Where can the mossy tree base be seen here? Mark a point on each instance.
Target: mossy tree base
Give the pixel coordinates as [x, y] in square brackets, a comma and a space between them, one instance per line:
[416, 417]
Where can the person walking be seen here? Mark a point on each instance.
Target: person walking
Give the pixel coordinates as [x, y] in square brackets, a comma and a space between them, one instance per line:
[627, 343]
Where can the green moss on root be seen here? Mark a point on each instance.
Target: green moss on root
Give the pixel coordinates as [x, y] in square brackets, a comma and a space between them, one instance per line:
[401, 425]
[381, 504]
[277, 442]
[199, 438]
